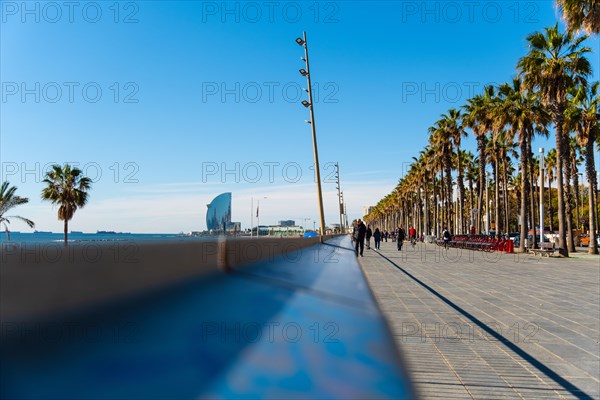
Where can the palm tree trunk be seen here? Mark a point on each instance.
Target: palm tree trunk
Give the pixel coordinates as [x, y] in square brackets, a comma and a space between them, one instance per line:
[569, 213]
[575, 177]
[426, 216]
[66, 225]
[420, 212]
[524, 191]
[435, 209]
[518, 194]
[550, 214]
[558, 111]
[532, 216]
[442, 212]
[506, 198]
[496, 198]
[448, 165]
[569, 195]
[590, 169]
[461, 193]
[481, 184]
[471, 205]
[440, 208]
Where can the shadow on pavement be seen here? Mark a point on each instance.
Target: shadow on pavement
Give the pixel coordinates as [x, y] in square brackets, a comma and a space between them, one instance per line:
[568, 386]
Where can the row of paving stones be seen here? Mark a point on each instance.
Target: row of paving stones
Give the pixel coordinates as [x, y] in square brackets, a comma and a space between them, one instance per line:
[476, 325]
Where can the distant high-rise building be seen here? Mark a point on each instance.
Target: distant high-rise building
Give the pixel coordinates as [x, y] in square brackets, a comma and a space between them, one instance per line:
[218, 215]
[287, 222]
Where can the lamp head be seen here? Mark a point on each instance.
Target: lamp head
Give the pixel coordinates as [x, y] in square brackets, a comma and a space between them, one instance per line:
[303, 72]
[305, 103]
[300, 41]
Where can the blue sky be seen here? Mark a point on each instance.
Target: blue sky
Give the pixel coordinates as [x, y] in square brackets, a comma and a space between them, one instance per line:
[167, 104]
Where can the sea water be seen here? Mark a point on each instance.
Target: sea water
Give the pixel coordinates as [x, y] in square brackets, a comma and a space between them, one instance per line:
[45, 237]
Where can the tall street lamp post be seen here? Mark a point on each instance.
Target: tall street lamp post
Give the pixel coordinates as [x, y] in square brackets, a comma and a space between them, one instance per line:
[309, 104]
[258, 217]
[251, 215]
[344, 216]
[541, 195]
[487, 204]
[340, 204]
[580, 214]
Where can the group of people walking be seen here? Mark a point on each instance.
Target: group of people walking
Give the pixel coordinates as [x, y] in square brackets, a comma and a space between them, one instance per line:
[364, 232]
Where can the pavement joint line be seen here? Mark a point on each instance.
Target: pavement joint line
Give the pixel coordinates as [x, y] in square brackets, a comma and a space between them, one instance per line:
[453, 371]
[570, 321]
[524, 359]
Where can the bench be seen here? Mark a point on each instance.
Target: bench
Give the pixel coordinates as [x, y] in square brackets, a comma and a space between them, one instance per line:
[469, 244]
[546, 249]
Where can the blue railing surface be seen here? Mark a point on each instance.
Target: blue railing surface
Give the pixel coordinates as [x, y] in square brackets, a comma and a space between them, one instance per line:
[303, 325]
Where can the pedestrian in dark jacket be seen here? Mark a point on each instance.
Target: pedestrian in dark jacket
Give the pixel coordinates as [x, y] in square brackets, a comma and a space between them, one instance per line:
[446, 236]
[400, 236]
[377, 238]
[361, 231]
[368, 236]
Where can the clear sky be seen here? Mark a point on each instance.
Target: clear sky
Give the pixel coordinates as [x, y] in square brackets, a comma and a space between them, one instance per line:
[167, 104]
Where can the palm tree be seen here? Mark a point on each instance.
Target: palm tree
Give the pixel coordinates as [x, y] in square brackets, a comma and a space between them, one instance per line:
[471, 176]
[454, 125]
[525, 117]
[576, 158]
[506, 150]
[9, 200]
[67, 188]
[440, 139]
[432, 165]
[477, 117]
[555, 63]
[427, 177]
[418, 172]
[551, 173]
[581, 14]
[584, 115]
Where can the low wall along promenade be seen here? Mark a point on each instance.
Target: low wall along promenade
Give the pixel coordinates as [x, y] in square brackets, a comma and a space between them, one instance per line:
[38, 279]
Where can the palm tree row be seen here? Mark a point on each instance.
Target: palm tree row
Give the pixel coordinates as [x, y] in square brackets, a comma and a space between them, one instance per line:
[66, 187]
[550, 90]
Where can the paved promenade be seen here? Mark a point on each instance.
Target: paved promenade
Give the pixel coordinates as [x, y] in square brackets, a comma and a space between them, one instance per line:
[476, 325]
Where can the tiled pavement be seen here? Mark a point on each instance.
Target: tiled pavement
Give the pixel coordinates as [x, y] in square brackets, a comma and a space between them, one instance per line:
[476, 325]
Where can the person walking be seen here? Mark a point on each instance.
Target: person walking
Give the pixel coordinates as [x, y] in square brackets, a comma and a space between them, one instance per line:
[412, 233]
[400, 236]
[446, 236]
[368, 237]
[360, 230]
[385, 235]
[377, 238]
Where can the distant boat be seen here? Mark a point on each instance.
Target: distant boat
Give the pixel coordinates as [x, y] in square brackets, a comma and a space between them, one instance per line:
[106, 232]
[76, 232]
[41, 232]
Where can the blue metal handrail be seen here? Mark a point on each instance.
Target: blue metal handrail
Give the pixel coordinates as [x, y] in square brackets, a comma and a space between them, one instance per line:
[297, 325]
